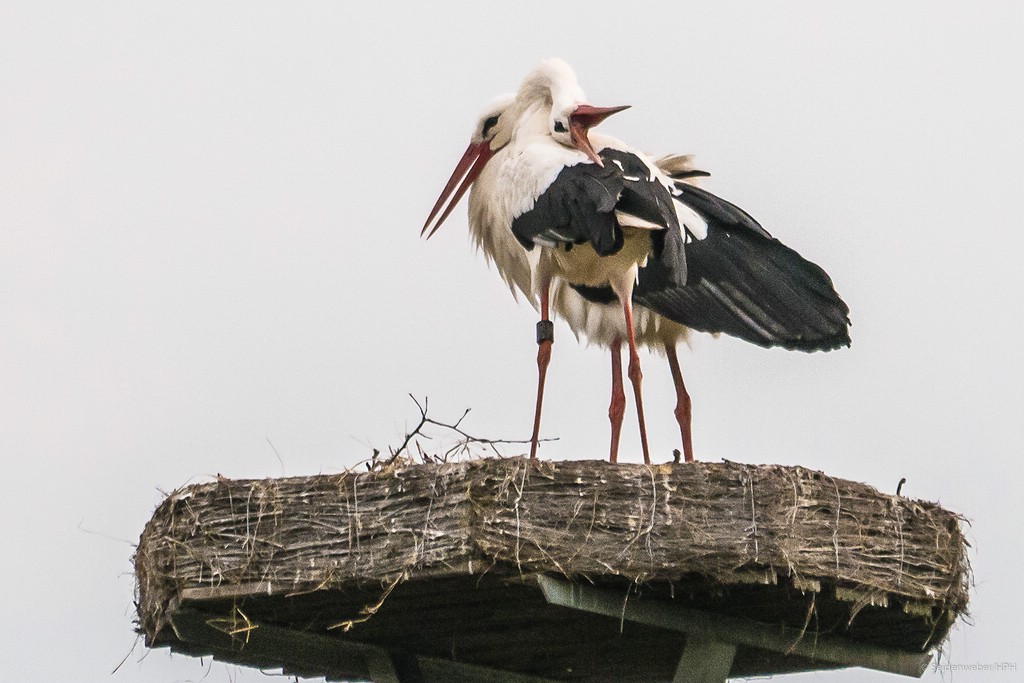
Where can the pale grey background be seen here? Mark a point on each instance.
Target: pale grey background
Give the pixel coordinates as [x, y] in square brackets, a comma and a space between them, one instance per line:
[209, 219]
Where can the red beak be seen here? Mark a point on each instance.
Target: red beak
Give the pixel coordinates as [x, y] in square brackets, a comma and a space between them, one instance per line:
[585, 117]
[472, 162]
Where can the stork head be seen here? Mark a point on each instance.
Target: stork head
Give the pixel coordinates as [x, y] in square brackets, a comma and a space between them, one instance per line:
[492, 132]
[550, 97]
[553, 88]
[490, 128]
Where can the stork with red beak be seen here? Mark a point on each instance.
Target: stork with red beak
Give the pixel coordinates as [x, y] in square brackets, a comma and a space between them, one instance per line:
[582, 221]
[598, 321]
[740, 280]
[562, 204]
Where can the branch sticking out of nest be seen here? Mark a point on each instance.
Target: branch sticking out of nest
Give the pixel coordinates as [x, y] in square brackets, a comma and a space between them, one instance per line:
[463, 446]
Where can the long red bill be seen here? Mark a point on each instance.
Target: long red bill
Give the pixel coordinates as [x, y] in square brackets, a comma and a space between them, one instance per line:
[469, 167]
[585, 117]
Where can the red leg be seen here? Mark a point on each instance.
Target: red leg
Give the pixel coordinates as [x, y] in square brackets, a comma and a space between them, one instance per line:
[618, 404]
[683, 408]
[545, 338]
[635, 376]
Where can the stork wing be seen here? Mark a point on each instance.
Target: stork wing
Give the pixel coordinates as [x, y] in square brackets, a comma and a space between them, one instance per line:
[743, 282]
[591, 203]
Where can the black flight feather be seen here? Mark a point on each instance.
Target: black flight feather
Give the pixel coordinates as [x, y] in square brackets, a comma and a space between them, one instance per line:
[742, 282]
[580, 206]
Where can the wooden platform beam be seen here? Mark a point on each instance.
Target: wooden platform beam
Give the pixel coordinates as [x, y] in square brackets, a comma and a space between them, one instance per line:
[714, 634]
[243, 641]
[704, 660]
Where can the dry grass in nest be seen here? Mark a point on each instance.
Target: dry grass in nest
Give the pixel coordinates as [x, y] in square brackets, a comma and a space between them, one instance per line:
[724, 523]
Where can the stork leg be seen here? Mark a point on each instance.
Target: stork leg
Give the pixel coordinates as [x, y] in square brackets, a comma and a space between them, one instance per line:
[635, 376]
[545, 338]
[683, 408]
[618, 405]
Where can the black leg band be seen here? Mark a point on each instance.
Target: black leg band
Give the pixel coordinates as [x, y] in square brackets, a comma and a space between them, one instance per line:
[545, 331]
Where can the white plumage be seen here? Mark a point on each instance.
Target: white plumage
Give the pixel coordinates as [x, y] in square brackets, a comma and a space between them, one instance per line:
[534, 141]
[574, 221]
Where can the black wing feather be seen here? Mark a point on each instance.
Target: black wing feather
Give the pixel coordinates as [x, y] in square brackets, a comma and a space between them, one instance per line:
[580, 205]
[747, 284]
[742, 282]
[642, 195]
[755, 289]
[716, 211]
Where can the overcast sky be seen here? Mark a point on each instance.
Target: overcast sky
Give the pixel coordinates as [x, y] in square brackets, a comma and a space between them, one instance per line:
[209, 251]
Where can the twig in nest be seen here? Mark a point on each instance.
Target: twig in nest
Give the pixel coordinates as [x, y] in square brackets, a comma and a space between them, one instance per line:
[461, 447]
[279, 459]
[807, 620]
[138, 637]
[367, 611]
[232, 626]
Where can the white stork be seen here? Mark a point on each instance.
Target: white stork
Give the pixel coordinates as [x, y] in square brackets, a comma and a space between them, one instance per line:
[597, 322]
[546, 145]
[739, 280]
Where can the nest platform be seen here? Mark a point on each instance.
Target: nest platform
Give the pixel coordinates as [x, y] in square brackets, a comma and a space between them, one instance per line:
[520, 571]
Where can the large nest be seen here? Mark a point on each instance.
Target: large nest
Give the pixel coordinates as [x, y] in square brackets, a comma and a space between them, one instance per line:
[710, 527]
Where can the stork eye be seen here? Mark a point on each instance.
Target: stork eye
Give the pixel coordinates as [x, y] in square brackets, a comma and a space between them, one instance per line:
[491, 122]
[559, 127]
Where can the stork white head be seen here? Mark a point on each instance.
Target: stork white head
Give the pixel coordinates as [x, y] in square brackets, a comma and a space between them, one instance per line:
[550, 102]
[552, 94]
[492, 132]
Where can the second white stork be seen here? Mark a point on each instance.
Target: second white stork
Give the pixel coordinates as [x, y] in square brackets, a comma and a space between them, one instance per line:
[583, 222]
[599, 321]
[713, 268]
